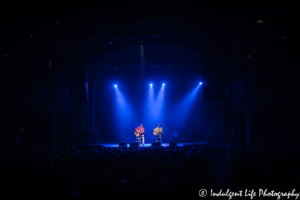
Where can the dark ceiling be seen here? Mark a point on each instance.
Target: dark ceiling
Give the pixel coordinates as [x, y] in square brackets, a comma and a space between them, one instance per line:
[106, 13]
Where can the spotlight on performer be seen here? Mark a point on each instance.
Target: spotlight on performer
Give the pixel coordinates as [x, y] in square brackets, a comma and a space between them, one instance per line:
[151, 84]
[200, 83]
[163, 84]
[115, 86]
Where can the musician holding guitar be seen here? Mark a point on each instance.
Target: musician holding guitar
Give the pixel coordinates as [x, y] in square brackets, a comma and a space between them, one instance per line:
[158, 132]
[139, 132]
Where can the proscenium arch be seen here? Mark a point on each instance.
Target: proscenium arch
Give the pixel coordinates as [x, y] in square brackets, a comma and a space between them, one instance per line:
[105, 61]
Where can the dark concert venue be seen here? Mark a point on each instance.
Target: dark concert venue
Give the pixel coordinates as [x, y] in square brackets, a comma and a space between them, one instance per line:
[150, 100]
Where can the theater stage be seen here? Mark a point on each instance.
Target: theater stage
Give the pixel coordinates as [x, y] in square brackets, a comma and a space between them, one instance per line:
[147, 145]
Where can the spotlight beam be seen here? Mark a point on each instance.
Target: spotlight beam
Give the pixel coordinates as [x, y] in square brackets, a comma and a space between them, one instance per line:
[186, 104]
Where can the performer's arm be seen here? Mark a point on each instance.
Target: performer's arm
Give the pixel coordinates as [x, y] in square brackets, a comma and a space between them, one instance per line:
[138, 128]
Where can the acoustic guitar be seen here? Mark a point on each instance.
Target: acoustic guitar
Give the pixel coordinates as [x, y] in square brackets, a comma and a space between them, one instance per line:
[137, 133]
[157, 132]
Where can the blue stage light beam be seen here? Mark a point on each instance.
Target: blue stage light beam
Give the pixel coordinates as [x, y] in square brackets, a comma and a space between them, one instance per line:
[151, 102]
[155, 107]
[151, 95]
[182, 110]
[123, 109]
[159, 104]
[160, 96]
[120, 99]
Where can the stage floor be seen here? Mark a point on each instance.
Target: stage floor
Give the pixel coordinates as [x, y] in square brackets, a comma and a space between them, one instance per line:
[150, 144]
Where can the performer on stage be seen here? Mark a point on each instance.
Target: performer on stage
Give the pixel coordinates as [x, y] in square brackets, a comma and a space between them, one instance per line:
[139, 132]
[158, 132]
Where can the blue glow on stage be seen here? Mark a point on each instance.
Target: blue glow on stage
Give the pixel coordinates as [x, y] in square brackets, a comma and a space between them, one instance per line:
[122, 105]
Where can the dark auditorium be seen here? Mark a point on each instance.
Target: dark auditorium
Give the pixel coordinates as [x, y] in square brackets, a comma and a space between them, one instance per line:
[150, 100]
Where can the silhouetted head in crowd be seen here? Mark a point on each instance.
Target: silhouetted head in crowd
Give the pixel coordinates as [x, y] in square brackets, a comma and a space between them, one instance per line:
[122, 188]
[72, 195]
[72, 184]
[164, 189]
[140, 185]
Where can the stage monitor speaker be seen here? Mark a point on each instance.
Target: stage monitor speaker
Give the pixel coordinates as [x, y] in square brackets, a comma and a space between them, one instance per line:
[172, 144]
[156, 144]
[122, 144]
[134, 144]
